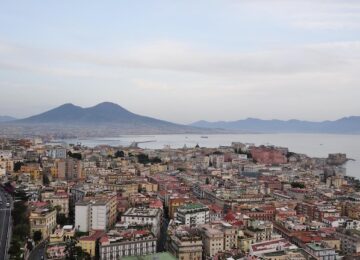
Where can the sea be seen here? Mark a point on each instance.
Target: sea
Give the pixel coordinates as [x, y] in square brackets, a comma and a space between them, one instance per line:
[314, 145]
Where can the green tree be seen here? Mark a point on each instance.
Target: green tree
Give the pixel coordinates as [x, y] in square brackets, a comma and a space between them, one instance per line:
[37, 236]
[156, 160]
[207, 181]
[17, 166]
[15, 250]
[75, 155]
[75, 252]
[81, 254]
[120, 154]
[143, 158]
[61, 219]
[46, 180]
[298, 185]
[20, 231]
[21, 227]
[20, 213]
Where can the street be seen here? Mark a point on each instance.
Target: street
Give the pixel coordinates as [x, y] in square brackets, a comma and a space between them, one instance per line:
[39, 252]
[5, 221]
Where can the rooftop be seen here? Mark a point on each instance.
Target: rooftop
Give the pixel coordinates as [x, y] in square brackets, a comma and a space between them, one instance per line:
[158, 256]
[191, 206]
[141, 212]
[93, 237]
[317, 246]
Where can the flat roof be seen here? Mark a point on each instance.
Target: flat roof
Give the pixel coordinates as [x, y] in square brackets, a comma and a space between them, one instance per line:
[149, 212]
[158, 256]
[317, 246]
[193, 206]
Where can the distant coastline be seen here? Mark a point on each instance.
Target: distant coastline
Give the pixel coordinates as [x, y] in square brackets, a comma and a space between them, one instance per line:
[110, 119]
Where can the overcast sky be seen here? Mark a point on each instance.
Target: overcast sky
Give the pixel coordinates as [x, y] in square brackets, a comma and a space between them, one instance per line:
[182, 60]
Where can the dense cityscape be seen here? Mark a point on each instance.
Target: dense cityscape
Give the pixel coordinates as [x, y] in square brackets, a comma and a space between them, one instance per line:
[180, 130]
[68, 201]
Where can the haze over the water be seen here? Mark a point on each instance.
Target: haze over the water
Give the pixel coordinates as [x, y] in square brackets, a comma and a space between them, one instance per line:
[183, 61]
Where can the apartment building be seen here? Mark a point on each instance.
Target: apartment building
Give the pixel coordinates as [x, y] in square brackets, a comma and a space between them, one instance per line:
[43, 220]
[349, 241]
[321, 251]
[143, 216]
[96, 213]
[213, 240]
[192, 214]
[88, 243]
[130, 242]
[218, 237]
[58, 199]
[260, 230]
[186, 245]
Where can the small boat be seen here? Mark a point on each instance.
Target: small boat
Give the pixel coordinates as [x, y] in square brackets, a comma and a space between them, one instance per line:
[204, 136]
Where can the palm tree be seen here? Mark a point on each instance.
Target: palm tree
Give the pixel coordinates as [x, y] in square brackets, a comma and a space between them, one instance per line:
[74, 252]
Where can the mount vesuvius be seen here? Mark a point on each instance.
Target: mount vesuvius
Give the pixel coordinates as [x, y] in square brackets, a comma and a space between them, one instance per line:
[104, 119]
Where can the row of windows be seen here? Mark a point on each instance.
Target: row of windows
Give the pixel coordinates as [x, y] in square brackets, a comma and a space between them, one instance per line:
[117, 254]
[129, 246]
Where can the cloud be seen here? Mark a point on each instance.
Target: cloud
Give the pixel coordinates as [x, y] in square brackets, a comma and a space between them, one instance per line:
[151, 85]
[183, 58]
[272, 58]
[307, 14]
[325, 57]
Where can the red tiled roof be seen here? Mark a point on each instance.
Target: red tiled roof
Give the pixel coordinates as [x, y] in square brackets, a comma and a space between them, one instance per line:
[238, 223]
[230, 217]
[93, 237]
[215, 208]
[141, 232]
[40, 204]
[156, 204]
[104, 239]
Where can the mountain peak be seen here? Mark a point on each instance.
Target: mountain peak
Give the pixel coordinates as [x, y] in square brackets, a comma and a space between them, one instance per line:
[67, 105]
[107, 104]
[102, 113]
[109, 108]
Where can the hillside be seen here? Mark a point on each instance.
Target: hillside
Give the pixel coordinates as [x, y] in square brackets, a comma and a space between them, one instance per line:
[346, 125]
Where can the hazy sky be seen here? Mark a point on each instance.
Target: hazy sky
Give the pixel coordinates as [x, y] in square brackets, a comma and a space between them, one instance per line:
[183, 60]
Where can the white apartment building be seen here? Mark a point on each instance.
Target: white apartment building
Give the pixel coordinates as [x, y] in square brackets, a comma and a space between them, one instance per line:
[99, 216]
[143, 216]
[82, 216]
[115, 246]
[92, 216]
[192, 214]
